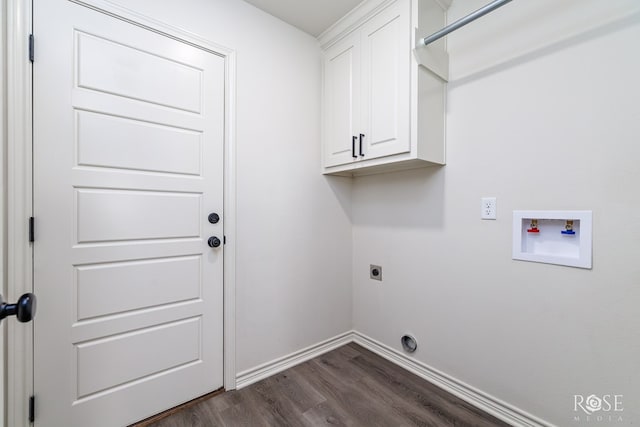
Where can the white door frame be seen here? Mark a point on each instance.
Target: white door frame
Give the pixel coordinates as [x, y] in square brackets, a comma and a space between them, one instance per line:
[19, 263]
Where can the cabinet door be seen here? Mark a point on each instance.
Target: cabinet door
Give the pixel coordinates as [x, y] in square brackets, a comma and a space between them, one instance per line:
[386, 60]
[341, 100]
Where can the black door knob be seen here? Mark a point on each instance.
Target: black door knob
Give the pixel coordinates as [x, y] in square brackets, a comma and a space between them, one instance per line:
[214, 218]
[24, 309]
[214, 242]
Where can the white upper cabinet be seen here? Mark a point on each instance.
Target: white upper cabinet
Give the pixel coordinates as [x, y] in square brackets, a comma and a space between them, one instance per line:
[385, 83]
[374, 91]
[342, 100]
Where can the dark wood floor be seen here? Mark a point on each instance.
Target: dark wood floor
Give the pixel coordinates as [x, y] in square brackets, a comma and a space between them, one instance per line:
[349, 386]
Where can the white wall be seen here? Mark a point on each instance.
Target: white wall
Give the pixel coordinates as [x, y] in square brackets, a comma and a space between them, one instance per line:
[294, 235]
[543, 113]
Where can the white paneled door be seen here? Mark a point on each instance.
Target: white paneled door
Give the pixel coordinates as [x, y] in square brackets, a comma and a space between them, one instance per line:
[128, 165]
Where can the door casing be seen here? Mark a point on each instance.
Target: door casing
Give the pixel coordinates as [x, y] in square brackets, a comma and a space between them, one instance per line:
[19, 265]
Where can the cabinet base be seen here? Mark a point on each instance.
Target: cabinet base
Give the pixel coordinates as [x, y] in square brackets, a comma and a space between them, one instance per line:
[396, 165]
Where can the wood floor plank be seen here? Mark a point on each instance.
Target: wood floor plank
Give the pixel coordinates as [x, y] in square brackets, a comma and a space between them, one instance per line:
[422, 392]
[301, 394]
[329, 412]
[410, 411]
[324, 414]
[352, 397]
[274, 408]
[196, 416]
[349, 386]
[241, 417]
[340, 367]
[345, 369]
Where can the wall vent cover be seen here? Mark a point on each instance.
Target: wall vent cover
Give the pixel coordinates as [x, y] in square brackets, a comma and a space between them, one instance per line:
[409, 343]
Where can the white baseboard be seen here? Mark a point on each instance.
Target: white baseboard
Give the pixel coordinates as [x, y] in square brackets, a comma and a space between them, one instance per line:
[469, 394]
[265, 370]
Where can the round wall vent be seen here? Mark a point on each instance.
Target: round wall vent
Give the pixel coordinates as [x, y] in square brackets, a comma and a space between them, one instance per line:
[409, 343]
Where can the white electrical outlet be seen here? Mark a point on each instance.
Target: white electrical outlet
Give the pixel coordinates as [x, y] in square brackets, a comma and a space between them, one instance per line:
[488, 208]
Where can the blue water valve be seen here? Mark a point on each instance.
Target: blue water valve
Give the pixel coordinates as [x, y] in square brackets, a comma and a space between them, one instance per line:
[568, 228]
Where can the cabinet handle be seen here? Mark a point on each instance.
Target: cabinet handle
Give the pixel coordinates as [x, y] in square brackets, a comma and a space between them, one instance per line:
[353, 147]
[361, 136]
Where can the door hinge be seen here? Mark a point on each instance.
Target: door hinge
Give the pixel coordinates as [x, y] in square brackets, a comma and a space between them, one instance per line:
[32, 237]
[224, 240]
[31, 47]
[32, 409]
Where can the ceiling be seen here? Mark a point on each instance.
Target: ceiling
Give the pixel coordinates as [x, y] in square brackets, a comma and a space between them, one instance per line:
[311, 16]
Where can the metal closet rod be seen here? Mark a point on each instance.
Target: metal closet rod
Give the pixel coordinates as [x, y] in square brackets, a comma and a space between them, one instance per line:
[464, 21]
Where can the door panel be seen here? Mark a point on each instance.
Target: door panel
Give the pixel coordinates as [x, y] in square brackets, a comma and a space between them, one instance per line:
[118, 287]
[129, 142]
[342, 100]
[128, 163]
[108, 66]
[105, 363]
[127, 215]
[385, 82]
